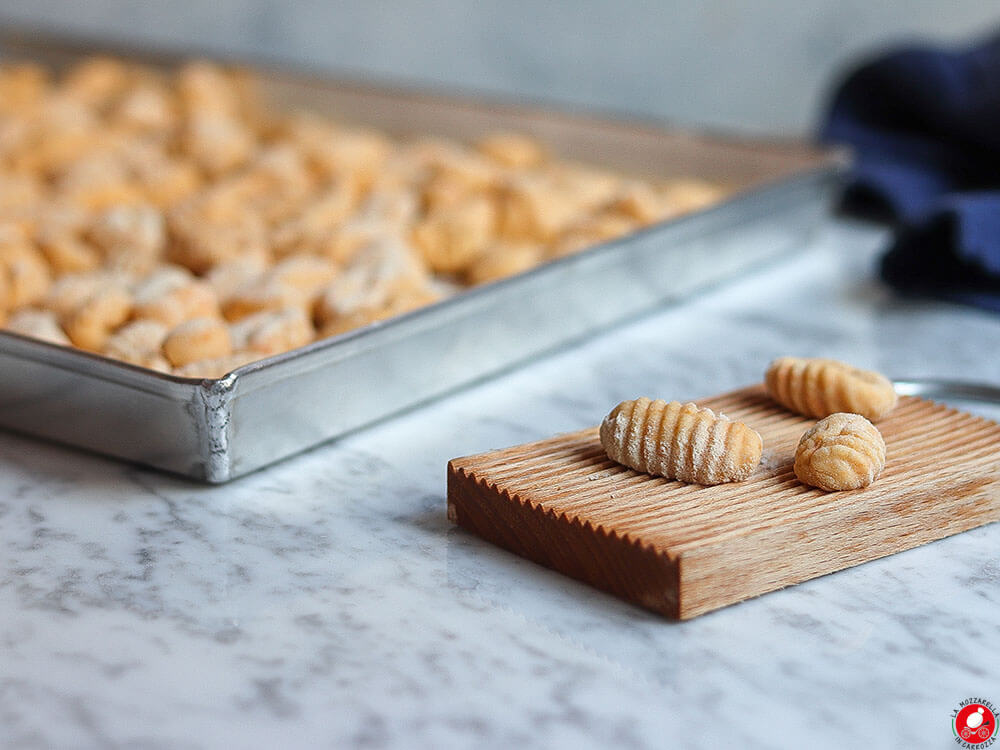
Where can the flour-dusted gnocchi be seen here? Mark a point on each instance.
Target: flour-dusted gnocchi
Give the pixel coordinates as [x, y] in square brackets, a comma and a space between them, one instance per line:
[680, 441]
[90, 323]
[197, 339]
[39, 324]
[272, 331]
[840, 452]
[820, 387]
[139, 343]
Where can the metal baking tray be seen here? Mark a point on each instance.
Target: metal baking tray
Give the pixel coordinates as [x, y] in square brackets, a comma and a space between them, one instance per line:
[216, 430]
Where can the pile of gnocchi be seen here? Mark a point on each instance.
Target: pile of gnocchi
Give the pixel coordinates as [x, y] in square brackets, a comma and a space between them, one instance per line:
[170, 221]
[844, 450]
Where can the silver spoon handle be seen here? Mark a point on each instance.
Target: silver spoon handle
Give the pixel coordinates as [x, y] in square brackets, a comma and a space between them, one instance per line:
[948, 389]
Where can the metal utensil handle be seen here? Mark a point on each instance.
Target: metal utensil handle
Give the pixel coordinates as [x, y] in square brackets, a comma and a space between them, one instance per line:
[948, 389]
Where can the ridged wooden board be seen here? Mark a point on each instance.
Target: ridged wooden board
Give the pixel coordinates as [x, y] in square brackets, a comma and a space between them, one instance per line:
[683, 550]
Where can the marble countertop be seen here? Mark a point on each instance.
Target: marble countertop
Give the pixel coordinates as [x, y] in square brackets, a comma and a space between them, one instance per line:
[327, 602]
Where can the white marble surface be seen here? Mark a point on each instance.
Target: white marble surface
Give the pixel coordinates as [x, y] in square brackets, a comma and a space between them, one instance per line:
[326, 602]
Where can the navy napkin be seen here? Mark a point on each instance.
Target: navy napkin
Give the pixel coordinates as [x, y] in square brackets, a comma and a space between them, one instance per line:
[924, 124]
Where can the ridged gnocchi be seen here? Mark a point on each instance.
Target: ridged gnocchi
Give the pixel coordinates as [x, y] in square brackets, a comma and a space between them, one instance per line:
[840, 452]
[680, 441]
[820, 387]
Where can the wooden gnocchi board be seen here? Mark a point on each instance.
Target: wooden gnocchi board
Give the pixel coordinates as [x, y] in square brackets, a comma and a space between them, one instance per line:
[683, 550]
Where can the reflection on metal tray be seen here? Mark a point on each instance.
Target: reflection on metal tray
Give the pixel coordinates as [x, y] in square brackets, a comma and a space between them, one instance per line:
[215, 430]
[948, 390]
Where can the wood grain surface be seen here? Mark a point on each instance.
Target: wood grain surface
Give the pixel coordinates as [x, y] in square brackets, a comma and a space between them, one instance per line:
[684, 549]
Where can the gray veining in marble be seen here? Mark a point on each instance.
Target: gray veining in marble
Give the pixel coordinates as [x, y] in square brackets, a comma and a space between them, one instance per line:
[326, 602]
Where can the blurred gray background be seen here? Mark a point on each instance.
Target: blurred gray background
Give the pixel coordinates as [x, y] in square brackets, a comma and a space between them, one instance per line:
[757, 67]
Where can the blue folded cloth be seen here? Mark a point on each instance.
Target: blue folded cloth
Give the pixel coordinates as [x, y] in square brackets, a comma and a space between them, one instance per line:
[924, 124]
